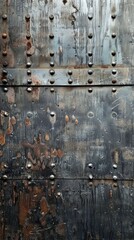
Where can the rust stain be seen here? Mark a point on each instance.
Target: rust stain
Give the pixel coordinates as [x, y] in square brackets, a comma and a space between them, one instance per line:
[27, 122]
[61, 229]
[10, 128]
[1, 153]
[76, 121]
[47, 138]
[24, 205]
[13, 120]
[44, 206]
[67, 118]
[11, 95]
[2, 138]
[60, 153]
[116, 156]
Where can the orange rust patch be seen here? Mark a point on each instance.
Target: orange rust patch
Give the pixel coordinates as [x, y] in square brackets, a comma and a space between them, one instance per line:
[24, 205]
[27, 121]
[76, 121]
[47, 138]
[11, 95]
[2, 139]
[60, 153]
[44, 205]
[13, 120]
[67, 118]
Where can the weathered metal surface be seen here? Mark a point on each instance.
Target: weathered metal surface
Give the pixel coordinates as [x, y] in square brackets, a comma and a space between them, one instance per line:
[66, 120]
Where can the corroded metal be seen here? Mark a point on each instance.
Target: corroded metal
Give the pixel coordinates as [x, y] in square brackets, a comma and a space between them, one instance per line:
[66, 120]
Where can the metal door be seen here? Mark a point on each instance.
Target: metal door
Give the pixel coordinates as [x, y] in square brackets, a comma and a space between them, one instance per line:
[67, 120]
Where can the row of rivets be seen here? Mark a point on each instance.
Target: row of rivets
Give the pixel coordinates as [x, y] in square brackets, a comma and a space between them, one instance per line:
[113, 53]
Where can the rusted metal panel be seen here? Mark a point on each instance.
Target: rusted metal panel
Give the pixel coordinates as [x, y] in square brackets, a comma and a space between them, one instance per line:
[66, 120]
[70, 126]
[67, 210]
[64, 27]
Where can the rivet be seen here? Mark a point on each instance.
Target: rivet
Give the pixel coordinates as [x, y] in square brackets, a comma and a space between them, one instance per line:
[90, 54]
[28, 36]
[52, 81]
[90, 17]
[4, 35]
[52, 114]
[113, 90]
[28, 54]
[52, 165]
[115, 185]
[113, 35]
[51, 17]
[6, 114]
[51, 64]
[27, 17]
[70, 81]
[51, 54]
[51, 36]
[29, 177]
[29, 165]
[90, 81]
[52, 177]
[115, 178]
[4, 81]
[114, 81]
[113, 53]
[4, 72]
[52, 90]
[90, 165]
[5, 89]
[28, 72]
[5, 64]
[29, 89]
[114, 71]
[4, 17]
[4, 177]
[52, 72]
[90, 90]
[113, 16]
[5, 166]
[4, 53]
[115, 166]
[90, 35]
[70, 72]
[90, 176]
[28, 64]
[113, 64]
[29, 81]
[58, 194]
[90, 64]
[90, 72]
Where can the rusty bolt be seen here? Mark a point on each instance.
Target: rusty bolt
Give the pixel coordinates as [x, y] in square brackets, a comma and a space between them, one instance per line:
[90, 165]
[28, 36]
[4, 177]
[4, 81]
[4, 53]
[113, 90]
[70, 81]
[52, 81]
[90, 176]
[4, 72]
[4, 35]
[113, 35]
[113, 64]
[90, 35]
[5, 89]
[29, 89]
[90, 17]
[51, 17]
[28, 64]
[90, 54]
[114, 81]
[52, 165]
[27, 18]
[90, 81]
[113, 53]
[52, 72]
[52, 114]
[51, 54]
[5, 166]
[29, 81]
[114, 71]
[6, 114]
[28, 72]
[70, 72]
[113, 16]
[51, 36]
[5, 64]
[90, 64]
[51, 64]
[115, 166]
[29, 177]
[90, 72]
[52, 177]
[4, 17]
[90, 90]
[52, 90]
[115, 178]
[29, 165]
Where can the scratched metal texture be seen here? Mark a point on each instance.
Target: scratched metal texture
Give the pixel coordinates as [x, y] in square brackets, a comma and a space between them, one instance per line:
[66, 120]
